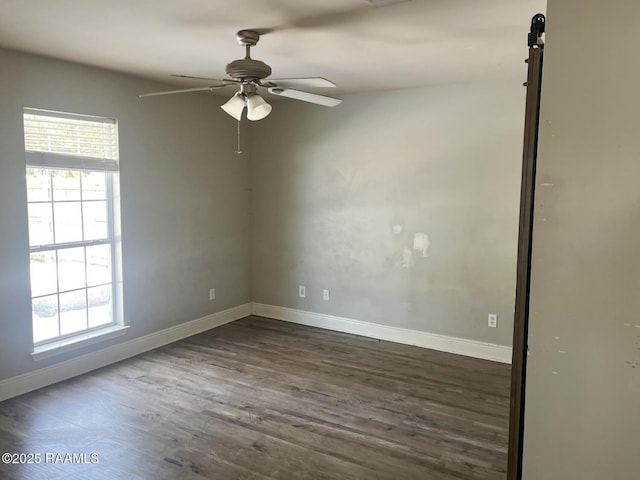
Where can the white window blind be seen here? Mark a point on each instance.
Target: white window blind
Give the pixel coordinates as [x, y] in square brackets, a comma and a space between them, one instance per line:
[63, 140]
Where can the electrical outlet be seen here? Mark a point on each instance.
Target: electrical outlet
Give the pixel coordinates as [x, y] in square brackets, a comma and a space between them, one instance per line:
[325, 295]
[302, 291]
[493, 320]
[212, 294]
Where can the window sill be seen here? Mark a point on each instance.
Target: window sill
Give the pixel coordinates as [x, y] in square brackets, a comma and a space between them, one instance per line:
[59, 347]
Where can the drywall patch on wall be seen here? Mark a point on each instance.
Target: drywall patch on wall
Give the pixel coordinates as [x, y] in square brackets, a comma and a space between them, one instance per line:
[421, 243]
[407, 258]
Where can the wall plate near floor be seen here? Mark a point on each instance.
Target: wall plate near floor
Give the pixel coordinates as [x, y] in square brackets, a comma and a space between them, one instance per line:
[302, 291]
[492, 320]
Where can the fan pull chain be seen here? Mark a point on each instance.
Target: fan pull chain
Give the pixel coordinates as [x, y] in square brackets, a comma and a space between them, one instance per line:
[238, 150]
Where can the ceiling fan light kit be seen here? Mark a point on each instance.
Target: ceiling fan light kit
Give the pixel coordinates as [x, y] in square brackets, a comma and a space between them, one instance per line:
[249, 74]
[257, 108]
[235, 106]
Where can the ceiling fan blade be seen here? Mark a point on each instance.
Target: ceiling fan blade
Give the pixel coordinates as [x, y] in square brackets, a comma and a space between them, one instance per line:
[184, 90]
[306, 96]
[335, 17]
[225, 80]
[319, 20]
[310, 82]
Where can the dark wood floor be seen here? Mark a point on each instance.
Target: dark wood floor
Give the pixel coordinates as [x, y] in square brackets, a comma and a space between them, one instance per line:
[262, 399]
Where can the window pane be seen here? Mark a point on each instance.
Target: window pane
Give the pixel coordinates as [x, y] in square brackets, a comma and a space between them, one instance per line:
[66, 185]
[68, 225]
[38, 185]
[45, 318]
[71, 274]
[95, 220]
[44, 279]
[94, 186]
[100, 312]
[40, 224]
[98, 265]
[73, 312]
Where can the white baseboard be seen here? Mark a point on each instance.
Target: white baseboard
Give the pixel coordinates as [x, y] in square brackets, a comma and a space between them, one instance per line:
[42, 377]
[443, 343]
[58, 372]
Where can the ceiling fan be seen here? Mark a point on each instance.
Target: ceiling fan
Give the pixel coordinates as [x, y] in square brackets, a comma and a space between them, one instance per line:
[250, 74]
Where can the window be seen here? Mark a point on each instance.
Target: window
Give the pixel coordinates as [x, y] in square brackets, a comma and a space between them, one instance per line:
[72, 168]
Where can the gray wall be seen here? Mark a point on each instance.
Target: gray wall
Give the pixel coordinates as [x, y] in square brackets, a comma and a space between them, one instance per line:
[184, 199]
[329, 185]
[582, 417]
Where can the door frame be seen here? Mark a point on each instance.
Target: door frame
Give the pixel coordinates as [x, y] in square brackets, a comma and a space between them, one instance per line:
[525, 241]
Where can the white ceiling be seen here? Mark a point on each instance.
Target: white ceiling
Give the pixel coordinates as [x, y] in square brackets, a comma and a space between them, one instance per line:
[414, 43]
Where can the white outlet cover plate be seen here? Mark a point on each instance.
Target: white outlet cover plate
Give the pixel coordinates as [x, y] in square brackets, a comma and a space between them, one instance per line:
[302, 291]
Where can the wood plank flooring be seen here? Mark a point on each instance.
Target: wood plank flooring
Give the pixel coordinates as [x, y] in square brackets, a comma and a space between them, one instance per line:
[263, 399]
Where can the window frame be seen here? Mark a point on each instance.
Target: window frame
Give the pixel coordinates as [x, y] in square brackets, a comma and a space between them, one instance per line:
[69, 162]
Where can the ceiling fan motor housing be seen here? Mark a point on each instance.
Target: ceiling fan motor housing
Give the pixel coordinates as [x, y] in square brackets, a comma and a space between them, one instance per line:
[247, 69]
